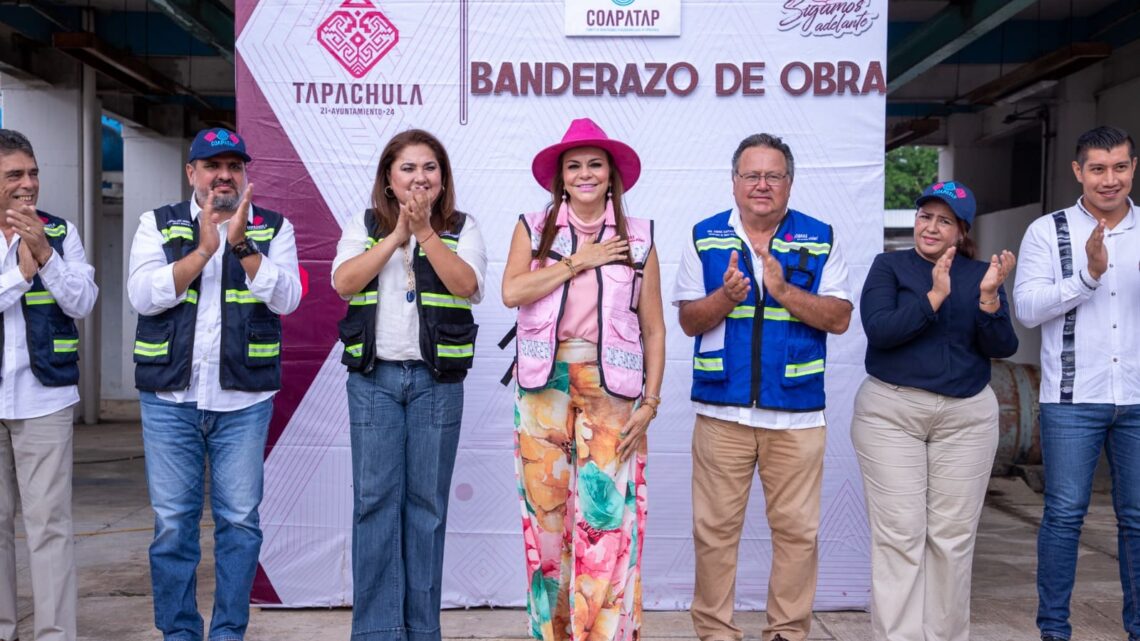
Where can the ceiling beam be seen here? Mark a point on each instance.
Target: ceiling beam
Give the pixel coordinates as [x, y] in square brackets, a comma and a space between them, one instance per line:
[207, 20]
[1052, 66]
[945, 34]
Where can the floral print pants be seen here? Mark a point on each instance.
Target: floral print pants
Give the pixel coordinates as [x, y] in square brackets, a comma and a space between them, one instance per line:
[583, 508]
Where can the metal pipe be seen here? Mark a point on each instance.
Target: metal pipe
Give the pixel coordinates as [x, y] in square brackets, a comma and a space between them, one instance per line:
[91, 190]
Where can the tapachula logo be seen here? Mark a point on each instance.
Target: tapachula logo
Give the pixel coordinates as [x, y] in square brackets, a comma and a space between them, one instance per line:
[358, 36]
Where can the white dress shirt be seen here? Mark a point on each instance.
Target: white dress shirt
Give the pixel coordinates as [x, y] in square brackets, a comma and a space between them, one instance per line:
[71, 282]
[690, 285]
[397, 320]
[1106, 336]
[150, 286]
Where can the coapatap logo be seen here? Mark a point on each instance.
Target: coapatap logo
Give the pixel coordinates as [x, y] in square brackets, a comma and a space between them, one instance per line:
[623, 3]
[358, 35]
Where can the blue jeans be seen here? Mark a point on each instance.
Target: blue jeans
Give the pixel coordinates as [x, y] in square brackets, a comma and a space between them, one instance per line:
[404, 432]
[1071, 439]
[178, 438]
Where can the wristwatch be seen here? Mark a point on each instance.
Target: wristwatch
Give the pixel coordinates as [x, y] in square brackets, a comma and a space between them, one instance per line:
[245, 248]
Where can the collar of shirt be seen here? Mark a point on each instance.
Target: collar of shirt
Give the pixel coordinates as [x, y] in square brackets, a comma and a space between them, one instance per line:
[564, 214]
[1129, 219]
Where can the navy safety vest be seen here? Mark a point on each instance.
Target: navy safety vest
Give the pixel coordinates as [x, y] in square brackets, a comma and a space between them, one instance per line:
[251, 333]
[769, 358]
[52, 337]
[447, 327]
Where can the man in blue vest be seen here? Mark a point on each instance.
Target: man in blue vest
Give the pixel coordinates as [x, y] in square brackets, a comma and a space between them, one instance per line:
[45, 284]
[760, 286]
[209, 278]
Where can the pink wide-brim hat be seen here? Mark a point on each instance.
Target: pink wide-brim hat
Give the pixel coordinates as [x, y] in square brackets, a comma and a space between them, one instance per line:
[584, 132]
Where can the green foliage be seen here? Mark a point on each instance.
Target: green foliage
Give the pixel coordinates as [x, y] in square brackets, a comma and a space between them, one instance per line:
[909, 170]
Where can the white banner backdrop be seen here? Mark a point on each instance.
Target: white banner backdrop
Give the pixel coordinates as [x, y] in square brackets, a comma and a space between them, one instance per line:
[322, 85]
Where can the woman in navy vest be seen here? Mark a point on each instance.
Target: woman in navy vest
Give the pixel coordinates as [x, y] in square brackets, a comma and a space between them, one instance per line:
[590, 358]
[411, 267]
[925, 424]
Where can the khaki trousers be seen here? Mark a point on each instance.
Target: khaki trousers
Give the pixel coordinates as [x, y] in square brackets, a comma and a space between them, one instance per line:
[725, 457]
[35, 462]
[926, 461]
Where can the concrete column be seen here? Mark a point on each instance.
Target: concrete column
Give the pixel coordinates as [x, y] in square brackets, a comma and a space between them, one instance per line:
[153, 175]
[982, 166]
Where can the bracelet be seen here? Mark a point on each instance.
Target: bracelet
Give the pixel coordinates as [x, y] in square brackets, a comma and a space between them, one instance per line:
[570, 264]
[202, 254]
[426, 239]
[989, 302]
[652, 401]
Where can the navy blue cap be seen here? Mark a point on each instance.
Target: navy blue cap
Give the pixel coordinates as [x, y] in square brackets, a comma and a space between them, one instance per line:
[957, 197]
[215, 142]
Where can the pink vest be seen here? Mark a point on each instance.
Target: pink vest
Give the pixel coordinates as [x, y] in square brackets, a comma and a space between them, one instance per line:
[619, 331]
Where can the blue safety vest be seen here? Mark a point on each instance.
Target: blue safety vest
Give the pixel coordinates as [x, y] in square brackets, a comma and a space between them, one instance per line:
[251, 333]
[447, 326]
[769, 358]
[52, 337]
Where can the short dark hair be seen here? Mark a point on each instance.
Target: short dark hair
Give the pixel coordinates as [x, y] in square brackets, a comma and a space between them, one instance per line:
[12, 141]
[769, 141]
[1106, 138]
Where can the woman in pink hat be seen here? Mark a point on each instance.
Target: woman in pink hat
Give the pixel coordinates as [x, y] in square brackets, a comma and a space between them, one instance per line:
[590, 356]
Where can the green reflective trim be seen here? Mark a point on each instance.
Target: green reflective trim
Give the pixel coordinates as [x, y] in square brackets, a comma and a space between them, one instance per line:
[793, 370]
[66, 344]
[444, 300]
[372, 242]
[191, 297]
[39, 298]
[264, 350]
[364, 298]
[451, 244]
[742, 311]
[455, 351]
[356, 350]
[152, 349]
[260, 235]
[706, 244]
[177, 231]
[708, 364]
[779, 314]
[241, 296]
[815, 249]
[55, 231]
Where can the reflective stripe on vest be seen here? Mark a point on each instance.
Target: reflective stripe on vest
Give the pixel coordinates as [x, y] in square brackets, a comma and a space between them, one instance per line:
[451, 243]
[815, 249]
[55, 231]
[708, 364]
[177, 231]
[264, 350]
[429, 299]
[355, 350]
[365, 298]
[260, 235]
[792, 370]
[242, 296]
[770, 313]
[66, 344]
[39, 298]
[152, 349]
[191, 297]
[455, 351]
[705, 244]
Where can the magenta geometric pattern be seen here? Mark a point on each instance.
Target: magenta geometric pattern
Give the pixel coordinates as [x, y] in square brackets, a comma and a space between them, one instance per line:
[358, 36]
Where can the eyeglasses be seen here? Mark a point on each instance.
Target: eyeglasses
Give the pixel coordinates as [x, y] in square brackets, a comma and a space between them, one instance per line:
[773, 180]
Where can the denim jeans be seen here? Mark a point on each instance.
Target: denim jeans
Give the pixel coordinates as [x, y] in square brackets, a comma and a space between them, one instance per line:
[404, 432]
[1071, 439]
[178, 439]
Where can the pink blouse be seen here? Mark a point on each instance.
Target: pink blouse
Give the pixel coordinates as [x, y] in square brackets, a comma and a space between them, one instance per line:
[580, 317]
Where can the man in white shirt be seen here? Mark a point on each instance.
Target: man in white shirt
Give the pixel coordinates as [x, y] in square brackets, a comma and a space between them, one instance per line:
[760, 286]
[45, 283]
[209, 278]
[1078, 277]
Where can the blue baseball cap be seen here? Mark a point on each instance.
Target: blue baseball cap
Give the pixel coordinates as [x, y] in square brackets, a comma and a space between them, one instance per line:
[215, 142]
[957, 197]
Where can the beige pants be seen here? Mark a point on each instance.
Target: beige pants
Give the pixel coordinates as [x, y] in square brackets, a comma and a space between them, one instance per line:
[725, 457]
[35, 461]
[926, 461]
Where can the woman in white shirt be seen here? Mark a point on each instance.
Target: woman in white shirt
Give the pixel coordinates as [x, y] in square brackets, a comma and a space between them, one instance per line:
[411, 267]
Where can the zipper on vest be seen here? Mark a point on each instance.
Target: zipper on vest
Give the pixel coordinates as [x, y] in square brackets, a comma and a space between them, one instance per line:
[758, 316]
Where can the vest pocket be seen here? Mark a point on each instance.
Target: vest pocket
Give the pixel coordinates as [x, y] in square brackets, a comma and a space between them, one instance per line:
[357, 348]
[803, 362]
[454, 345]
[152, 344]
[709, 366]
[263, 343]
[65, 344]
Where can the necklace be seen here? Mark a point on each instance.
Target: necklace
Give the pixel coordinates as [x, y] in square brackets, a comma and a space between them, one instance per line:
[410, 296]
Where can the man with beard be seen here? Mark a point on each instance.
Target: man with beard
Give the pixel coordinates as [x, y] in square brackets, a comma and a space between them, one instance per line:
[209, 277]
[45, 284]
